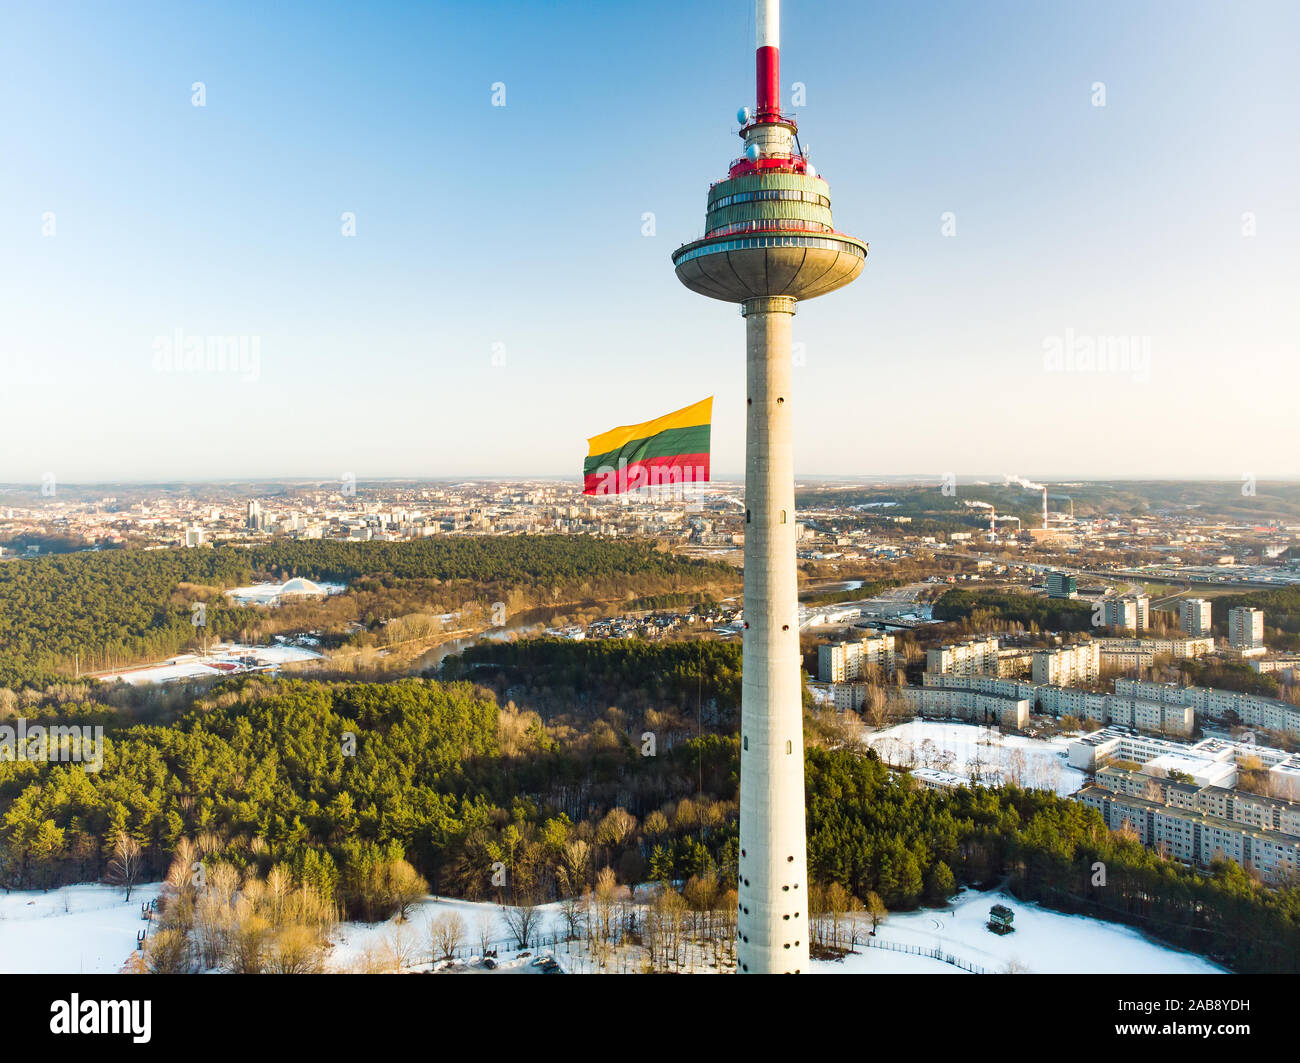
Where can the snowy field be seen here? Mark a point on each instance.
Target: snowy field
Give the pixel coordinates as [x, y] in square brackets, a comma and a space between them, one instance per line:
[969, 749]
[90, 929]
[221, 661]
[1044, 942]
[86, 929]
[353, 941]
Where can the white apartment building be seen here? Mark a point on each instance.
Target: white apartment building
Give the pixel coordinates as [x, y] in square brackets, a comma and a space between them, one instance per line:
[1176, 819]
[1070, 664]
[1194, 617]
[1169, 718]
[963, 703]
[975, 657]
[840, 662]
[1134, 653]
[1246, 630]
[1211, 703]
[1131, 612]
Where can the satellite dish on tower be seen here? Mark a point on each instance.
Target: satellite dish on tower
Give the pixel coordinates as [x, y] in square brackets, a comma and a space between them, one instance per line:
[743, 115]
[752, 152]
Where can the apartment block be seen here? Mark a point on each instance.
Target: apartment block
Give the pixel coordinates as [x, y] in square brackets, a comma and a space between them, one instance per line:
[1195, 616]
[975, 657]
[1246, 630]
[1070, 664]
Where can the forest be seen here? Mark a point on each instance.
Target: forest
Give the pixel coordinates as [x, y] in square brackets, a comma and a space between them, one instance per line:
[342, 785]
[1043, 614]
[124, 606]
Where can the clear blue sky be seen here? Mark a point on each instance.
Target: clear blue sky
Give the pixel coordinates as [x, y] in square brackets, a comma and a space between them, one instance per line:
[522, 226]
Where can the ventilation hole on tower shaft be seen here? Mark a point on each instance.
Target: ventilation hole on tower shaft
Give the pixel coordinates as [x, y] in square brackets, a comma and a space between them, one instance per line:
[789, 747]
[796, 915]
[785, 627]
[785, 917]
[744, 967]
[746, 625]
[742, 852]
[787, 944]
[745, 743]
[749, 402]
[789, 859]
[780, 402]
[784, 889]
[747, 516]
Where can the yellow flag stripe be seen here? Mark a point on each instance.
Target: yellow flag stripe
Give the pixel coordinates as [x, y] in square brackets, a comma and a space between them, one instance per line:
[696, 414]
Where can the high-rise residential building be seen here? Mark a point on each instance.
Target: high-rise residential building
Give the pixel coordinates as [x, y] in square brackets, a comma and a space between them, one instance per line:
[1246, 630]
[1143, 604]
[1080, 663]
[1120, 613]
[842, 662]
[1062, 585]
[1131, 612]
[1194, 616]
[974, 657]
[194, 536]
[254, 522]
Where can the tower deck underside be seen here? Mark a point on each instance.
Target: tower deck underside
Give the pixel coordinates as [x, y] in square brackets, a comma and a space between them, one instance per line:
[735, 269]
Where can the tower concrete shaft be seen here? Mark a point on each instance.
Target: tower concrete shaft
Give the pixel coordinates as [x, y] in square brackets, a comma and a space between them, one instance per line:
[773, 874]
[769, 240]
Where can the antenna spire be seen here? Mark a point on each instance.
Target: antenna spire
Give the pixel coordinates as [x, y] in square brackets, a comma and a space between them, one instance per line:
[767, 58]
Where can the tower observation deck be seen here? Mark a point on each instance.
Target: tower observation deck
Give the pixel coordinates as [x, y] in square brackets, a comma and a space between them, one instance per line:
[769, 241]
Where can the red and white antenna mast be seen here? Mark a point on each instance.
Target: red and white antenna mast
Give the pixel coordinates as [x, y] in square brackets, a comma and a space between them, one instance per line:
[767, 58]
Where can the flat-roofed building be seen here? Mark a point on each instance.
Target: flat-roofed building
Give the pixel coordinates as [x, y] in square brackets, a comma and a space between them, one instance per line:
[963, 703]
[1195, 617]
[1246, 630]
[973, 657]
[840, 662]
[1069, 664]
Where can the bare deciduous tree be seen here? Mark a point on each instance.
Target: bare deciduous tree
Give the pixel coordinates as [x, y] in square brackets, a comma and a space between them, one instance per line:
[124, 867]
[522, 922]
[447, 934]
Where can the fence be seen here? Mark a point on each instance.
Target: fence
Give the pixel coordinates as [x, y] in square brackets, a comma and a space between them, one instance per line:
[935, 953]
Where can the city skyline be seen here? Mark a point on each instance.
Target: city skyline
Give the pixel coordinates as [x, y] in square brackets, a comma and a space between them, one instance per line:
[1123, 226]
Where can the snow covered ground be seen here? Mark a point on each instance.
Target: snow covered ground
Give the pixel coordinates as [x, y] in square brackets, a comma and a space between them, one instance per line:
[91, 929]
[1044, 942]
[87, 929]
[222, 660]
[1035, 763]
[353, 941]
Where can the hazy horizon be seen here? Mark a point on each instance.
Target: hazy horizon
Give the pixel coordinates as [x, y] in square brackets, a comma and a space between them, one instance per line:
[505, 295]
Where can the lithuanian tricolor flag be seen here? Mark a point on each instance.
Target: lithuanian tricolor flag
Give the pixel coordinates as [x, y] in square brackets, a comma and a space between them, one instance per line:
[671, 449]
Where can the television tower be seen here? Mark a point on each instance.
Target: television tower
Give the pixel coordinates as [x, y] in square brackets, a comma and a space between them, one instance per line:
[769, 241]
